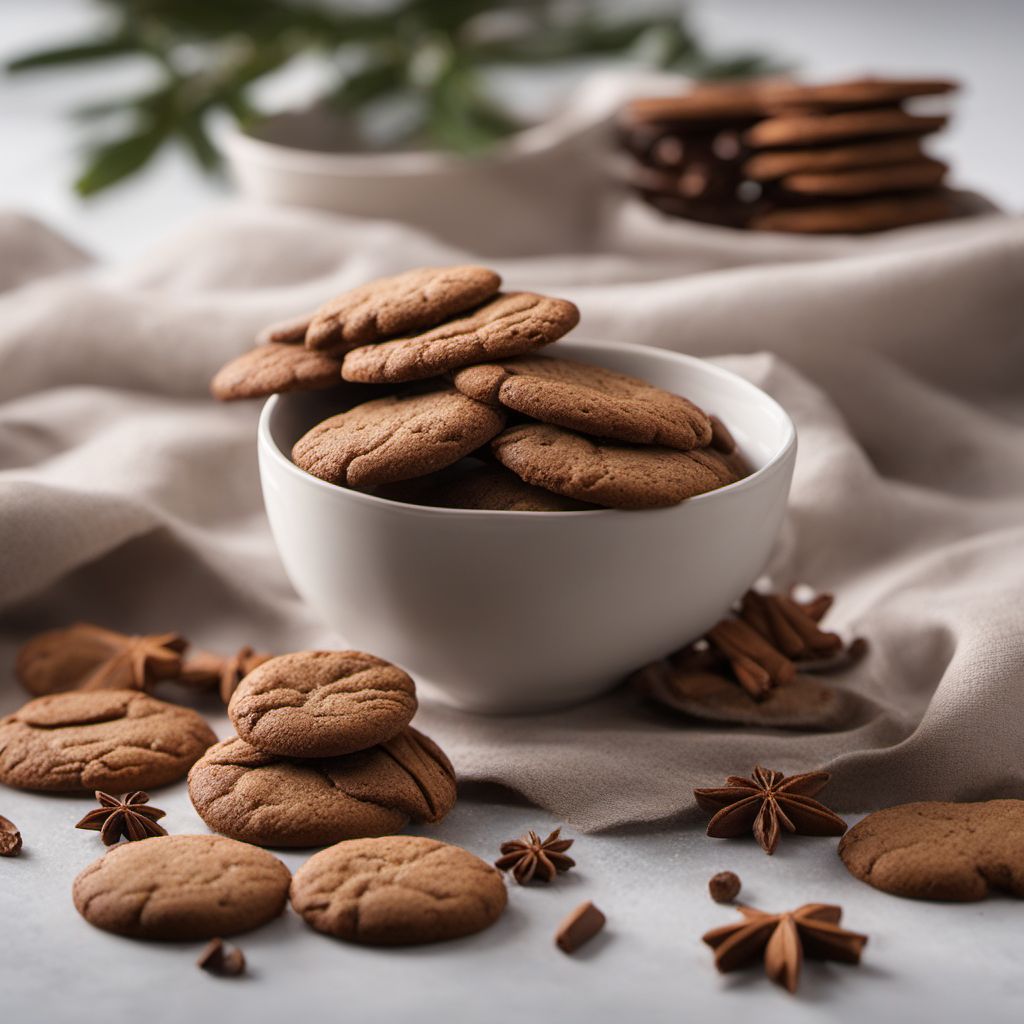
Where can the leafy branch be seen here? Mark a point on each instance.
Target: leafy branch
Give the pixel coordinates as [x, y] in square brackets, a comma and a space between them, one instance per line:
[431, 57]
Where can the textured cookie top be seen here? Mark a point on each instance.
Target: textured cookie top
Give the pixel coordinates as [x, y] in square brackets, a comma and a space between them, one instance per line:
[181, 888]
[391, 306]
[273, 368]
[480, 487]
[509, 325]
[274, 801]
[771, 164]
[589, 399]
[609, 474]
[114, 740]
[940, 851]
[857, 92]
[808, 129]
[397, 890]
[396, 438]
[322, 703]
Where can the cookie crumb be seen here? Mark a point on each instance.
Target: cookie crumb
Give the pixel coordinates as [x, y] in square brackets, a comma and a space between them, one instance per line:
[579, 927]
[219, 958]
[725, 886]
[10, 838]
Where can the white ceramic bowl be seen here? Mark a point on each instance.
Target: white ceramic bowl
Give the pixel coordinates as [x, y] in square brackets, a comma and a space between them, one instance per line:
[526, 611]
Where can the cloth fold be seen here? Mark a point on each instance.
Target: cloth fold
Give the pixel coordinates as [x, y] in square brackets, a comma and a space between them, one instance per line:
[129, 498]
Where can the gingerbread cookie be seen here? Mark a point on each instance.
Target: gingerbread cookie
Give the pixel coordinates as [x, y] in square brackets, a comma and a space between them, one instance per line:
[182, 888]
[852, 94]
[482, 487]
[856, 216]
[322, 703]
[589, 399]
[940, 851]
[274, 801]
[811, 129]
[918, 174]
[285, 332]
[609, 474]
[113, 740]
[274, 368]
[397, 891]
[770, 165]
[392, 306]
[511, 324]
[396, 438]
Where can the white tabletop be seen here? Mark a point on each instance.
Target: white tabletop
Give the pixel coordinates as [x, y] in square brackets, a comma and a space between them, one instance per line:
[928, 961]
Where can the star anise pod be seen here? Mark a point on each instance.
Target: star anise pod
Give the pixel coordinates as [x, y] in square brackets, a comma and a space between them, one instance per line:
[208, 670]
[127, 816]
[532, 857]
[783, 940]
[766, 803]
[88, 657]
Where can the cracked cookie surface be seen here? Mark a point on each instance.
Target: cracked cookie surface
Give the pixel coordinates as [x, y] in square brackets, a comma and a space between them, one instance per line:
[396, 438]
[182, 888]
[390, 306]
[273, 368]
[113, 740]
[610, 474]
[940, 851]
[322, 703]
[400, 890]
[589, 399]
[275, 801]
[511, 324]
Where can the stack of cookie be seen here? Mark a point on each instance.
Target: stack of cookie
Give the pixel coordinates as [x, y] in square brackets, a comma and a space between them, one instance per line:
[324, 752]
[782, 156]
[471, 415]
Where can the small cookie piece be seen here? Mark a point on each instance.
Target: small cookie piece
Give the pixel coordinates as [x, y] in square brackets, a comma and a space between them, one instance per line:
[274, 801]
[473, 485]
[397, 891]
[391, 306]
[180, 888]
[607, 474]
[940, 851]
[274, 368]
[855, 93]
[579, 927]
[724, 887]
[113, 740]
[856, 216]
[811, 129]
[322, 703]
[511, 324]
[924, 173]
[589, 399]
[770, 165]
[396, 438]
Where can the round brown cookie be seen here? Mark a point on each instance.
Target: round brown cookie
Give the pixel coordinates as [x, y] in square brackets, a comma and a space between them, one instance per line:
[607, 474]
[391, 306]
[771, 165]
[114, 740]
[940, 851]
[811, 129]
[480, 487]
[721, 438]
[854, 217]
[868, 181]
[590, 399]
[285, 332]
[509, 325]
[322, 703]
[855, 93]
[182, 888]
[397, 891]
[273, 801]
[396, 438]
[273, 368]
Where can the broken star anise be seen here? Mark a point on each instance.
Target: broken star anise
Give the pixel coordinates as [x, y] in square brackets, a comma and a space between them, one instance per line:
[206, 670]
[783, 940]
[532, 857]
[128, 816]
[766, 803]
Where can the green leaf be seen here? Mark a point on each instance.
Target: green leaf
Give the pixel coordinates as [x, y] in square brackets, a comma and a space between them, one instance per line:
[116, 160]
[198, 141]
[72, 54]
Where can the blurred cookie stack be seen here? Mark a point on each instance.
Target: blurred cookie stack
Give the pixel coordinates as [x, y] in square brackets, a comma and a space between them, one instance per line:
[783, 156]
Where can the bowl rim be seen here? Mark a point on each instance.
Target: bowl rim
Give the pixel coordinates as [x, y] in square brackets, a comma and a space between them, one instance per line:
[266, 443]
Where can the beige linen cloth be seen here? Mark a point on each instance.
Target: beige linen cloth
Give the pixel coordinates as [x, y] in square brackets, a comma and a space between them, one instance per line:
[129, 498]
